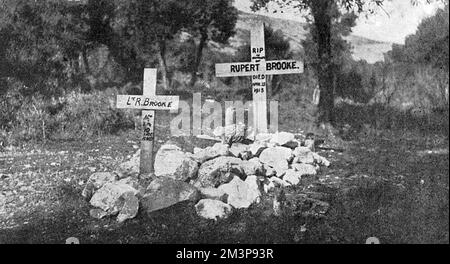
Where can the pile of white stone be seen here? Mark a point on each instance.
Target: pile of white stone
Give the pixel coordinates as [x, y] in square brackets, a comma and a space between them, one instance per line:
[218, 179]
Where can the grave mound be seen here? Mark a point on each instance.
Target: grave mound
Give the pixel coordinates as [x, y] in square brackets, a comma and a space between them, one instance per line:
[218, 179]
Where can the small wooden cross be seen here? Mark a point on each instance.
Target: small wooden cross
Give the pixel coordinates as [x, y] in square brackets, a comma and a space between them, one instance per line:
[148, 102]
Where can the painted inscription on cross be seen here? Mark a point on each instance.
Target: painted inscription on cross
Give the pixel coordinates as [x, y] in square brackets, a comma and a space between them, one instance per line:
[258, 68]
[148, 102]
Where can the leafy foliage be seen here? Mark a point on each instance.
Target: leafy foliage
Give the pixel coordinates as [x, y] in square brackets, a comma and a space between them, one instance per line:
[85, 115]
[429, 45]
[209, 20]
[29, 41]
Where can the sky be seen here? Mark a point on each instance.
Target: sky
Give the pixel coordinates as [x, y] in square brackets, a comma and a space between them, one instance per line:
[393, 23]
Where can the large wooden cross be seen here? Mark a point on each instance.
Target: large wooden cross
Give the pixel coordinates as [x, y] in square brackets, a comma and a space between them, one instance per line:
[148, 102]
[258, 68]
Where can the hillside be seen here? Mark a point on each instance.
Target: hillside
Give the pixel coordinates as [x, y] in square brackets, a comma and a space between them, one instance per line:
[363, 48]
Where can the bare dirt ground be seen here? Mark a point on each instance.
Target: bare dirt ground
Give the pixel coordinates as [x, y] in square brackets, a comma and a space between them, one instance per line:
[394, 187]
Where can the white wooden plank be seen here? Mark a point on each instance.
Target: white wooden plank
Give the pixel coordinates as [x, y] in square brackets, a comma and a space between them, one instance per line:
[258, 53]
[284, 67]
[255, 68]
[238, 69]
[147, 102]
[150, 79]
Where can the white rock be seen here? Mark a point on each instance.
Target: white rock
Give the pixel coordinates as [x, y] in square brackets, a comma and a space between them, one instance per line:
[254, 187]
[174, 163]
[238, 149]
[256, 148]
[303, 155]
[213, 209]
[210, 153]
[165, 192]
[309, 143]
[97, 213]
[279, 182]
[301, 150]
[256, 160]
[130, 207]
[108, 198]
[292, 177]
[282, 138]
[274, 156]
[321, 160]
[271, 145]
[218, 171]
[263, 137]
[269, 171]
[96, 181]
[221, 149]
[253, 167]
[281, 167]
[239, 193]
[197, 150]
[304, 169]
[133, 182]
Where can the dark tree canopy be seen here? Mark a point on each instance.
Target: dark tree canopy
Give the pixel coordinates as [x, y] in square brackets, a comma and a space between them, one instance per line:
[429, 45]
[209, 20]
[48, 43]
[215, 18]
[277, 46]
[37, 43]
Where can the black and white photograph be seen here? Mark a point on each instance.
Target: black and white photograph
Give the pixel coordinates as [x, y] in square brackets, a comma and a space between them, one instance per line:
[226, 122]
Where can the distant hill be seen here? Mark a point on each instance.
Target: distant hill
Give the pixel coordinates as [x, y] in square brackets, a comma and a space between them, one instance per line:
[363, 48]
[368, 49]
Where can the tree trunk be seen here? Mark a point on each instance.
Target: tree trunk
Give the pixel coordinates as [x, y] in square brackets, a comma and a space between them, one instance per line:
[163, 63]
[322, 21]
[198, 58]
[86, 62]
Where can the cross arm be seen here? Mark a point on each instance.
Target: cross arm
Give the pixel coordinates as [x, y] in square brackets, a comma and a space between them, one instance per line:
[147, 102]
[254, 68]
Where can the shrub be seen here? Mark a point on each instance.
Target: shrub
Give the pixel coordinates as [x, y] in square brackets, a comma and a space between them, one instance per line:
[32, 119]
[10, 102]
[86, 115]
[74, 116]
[22, 117]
